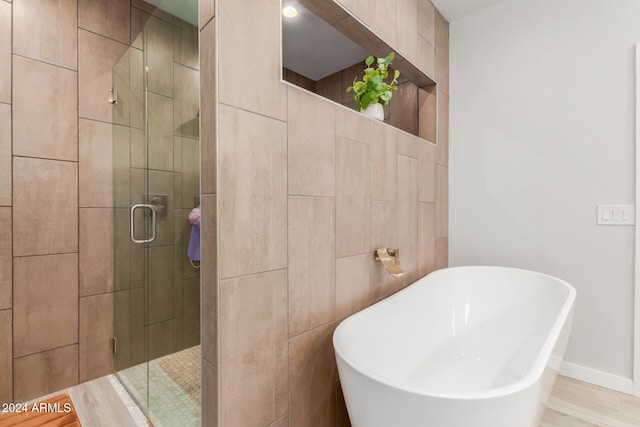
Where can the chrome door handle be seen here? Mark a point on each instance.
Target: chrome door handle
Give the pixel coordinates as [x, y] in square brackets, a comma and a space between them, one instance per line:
[153, 223]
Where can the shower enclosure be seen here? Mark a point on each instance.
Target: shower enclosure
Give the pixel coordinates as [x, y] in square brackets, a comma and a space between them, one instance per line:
[155, 97]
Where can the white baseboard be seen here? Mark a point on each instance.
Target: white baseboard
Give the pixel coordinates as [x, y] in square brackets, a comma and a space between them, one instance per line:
[599, 378]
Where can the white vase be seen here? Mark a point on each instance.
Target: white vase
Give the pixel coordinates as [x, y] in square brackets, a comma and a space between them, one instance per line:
[374, 111]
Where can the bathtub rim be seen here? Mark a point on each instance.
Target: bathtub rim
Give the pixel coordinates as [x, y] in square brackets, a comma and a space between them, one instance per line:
[533, 376]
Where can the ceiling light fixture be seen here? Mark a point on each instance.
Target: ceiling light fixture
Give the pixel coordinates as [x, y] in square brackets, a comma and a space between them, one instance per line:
[290, 12]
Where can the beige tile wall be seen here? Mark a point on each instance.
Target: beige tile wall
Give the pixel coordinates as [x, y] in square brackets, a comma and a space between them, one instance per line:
[352, 184]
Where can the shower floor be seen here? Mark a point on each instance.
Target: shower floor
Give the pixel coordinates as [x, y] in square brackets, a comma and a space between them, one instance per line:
[167, 388]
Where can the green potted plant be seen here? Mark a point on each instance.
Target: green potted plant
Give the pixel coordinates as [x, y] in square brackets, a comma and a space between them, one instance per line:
[373, 92]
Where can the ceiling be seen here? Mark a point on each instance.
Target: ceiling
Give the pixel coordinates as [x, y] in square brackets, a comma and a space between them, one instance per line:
[454, 10]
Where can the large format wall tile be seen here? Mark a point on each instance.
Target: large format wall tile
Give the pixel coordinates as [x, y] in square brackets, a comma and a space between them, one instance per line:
[5, 52]
[6, 363]
[96, 251]
[209, 395]
[206, 12]
[383, 161]
[265, 95]
[5, 155]
[45, 373]
[442, 52]
[253, 185]
[95, 164]
[46, 95]
[5, 258]
[352, 284]
[353, 200]
[311, 262]
[311, 137]
[97, 58]
[45, 303]
[209, 275]
[442, 201]
[109, 18]
[312, 377]
[407, 29]
[407, 217]
[427, 172]
[96, 330]
[442, 154]
[208, 107]
[426, 238]
[253, 343]
[45, 206]
[46, 30]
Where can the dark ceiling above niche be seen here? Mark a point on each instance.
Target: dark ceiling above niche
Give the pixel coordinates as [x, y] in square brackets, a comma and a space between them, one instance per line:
[323, 50]
[338, 18]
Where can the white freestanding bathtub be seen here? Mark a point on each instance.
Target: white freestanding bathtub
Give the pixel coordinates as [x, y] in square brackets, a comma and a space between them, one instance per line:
[461, 347]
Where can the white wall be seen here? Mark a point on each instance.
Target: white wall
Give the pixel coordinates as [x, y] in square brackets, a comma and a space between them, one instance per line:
[542, 130]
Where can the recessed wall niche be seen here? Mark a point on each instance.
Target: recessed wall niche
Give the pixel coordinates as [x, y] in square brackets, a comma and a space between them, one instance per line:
[323, 51]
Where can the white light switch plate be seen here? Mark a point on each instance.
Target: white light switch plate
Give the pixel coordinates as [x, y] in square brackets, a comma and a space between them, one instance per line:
[616, 214]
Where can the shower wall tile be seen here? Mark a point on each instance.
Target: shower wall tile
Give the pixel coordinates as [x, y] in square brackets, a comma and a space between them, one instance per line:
[407, 29]
[206, 12]
[352, 125]
[353, 200]
[46, 30]
[159, 50]
[383, 235]
[209, 394]
[426, 238]
[98, 56]
[352, 284]
[42, 183]
[208, 106]
[442, 201]
[96, 330]
[383, 161]
[312, 378]
[408, 144]
[186, 45]
[442, 252]
[312, 148]
[96, 251]
[381, 13]
[426, 60]
[95, 164]
[427, 21]
[442, 52]
[190, 164]
[253, 341]
[160, 140]
[5, 52]
[190, 313]
[5, 155]
[163, 338]
[110, 18]
[209, 274]
[427, 172]
[442, 154]
[281, 422]
[45, 316]
[253, 161]
[46, 95]
[45, 373]
[312, 230]
[407, 217]
[6, 268]
[6, 363]
[261, 46]
[427, 97]
[161, 284]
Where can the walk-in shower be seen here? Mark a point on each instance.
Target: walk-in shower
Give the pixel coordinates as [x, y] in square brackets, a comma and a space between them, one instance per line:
[155, 97]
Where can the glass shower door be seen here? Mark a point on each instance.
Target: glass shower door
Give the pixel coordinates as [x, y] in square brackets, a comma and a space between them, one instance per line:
[156, 180]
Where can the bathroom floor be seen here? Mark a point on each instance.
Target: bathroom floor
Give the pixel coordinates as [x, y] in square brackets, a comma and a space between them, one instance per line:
[104, 403]
[173, 399]
[577, 404]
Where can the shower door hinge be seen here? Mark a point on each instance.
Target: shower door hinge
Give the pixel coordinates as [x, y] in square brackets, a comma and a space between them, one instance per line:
[113, 95]
[114, 345]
